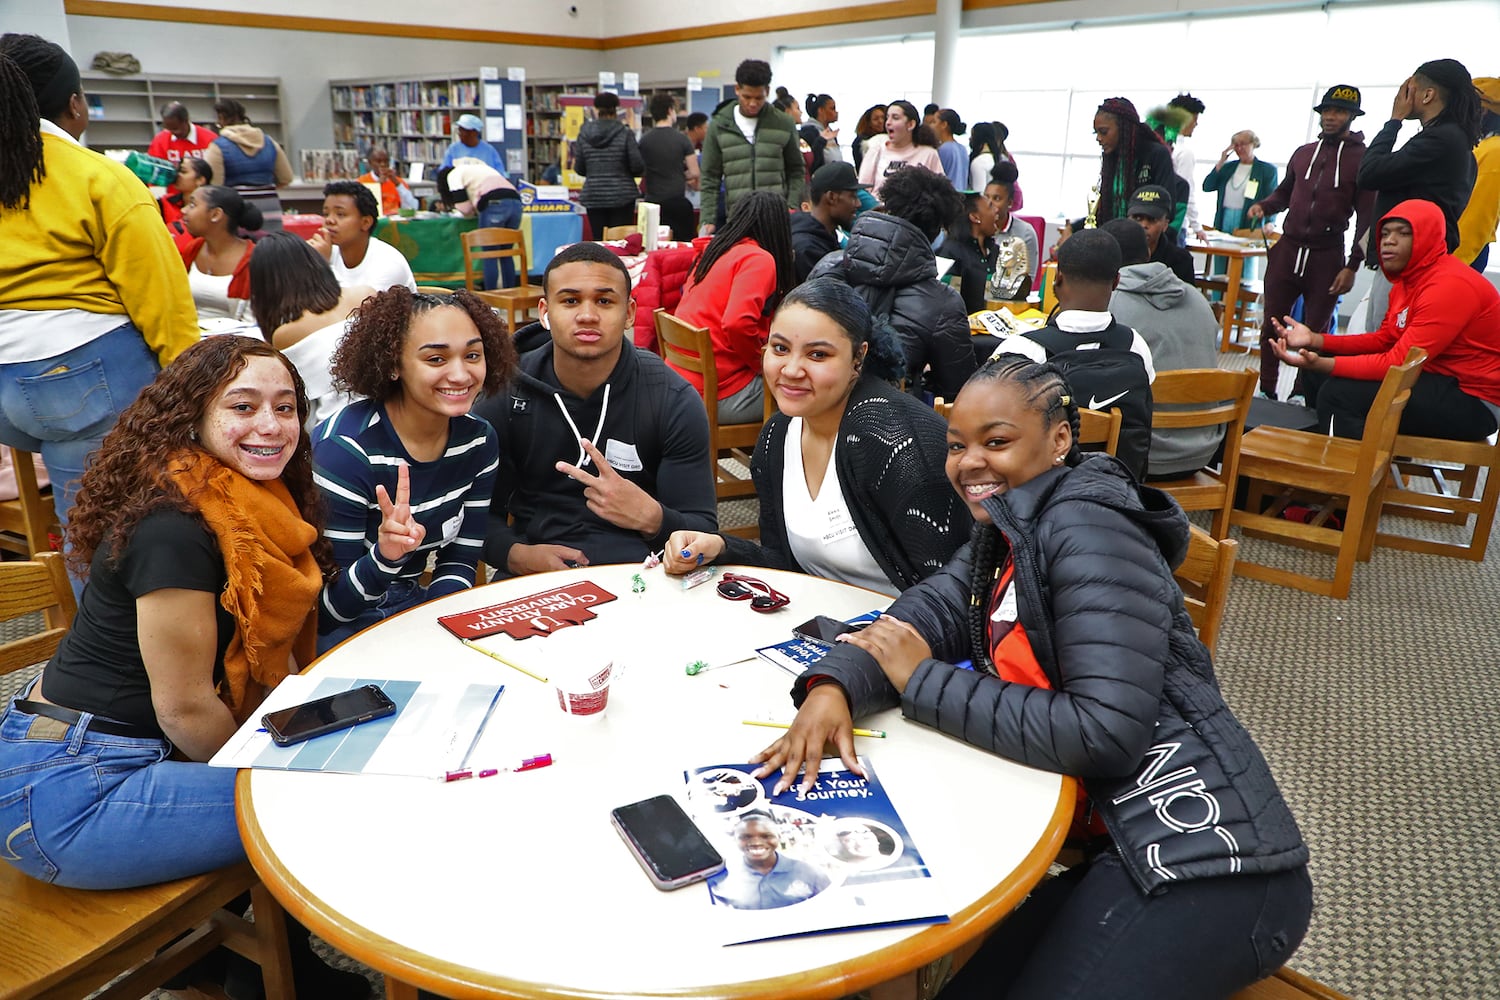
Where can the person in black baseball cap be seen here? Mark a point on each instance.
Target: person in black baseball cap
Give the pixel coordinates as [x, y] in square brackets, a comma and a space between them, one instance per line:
[1152, 207]
[1436, 164]
[835, 200]
[1319, 195]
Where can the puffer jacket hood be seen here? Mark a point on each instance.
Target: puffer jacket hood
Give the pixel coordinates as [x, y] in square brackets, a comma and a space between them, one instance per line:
[600, 132]
[1154, 282]
[247, 137]
[887, 252]
[1428, 242]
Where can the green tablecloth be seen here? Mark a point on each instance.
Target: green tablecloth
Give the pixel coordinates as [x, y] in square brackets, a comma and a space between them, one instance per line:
[435, 251]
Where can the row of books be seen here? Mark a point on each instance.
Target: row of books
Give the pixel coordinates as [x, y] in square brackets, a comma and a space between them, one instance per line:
[411, 94]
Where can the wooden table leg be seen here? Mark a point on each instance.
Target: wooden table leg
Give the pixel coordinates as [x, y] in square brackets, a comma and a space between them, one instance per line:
[395, 989]
[1232, 298]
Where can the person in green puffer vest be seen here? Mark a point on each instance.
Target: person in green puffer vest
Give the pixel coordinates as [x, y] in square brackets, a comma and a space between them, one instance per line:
[750, 146]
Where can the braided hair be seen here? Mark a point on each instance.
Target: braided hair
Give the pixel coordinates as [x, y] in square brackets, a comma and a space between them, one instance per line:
[760, 216]
[1118, 171]
[1045, 392]
[1461, 101]
[26, 64]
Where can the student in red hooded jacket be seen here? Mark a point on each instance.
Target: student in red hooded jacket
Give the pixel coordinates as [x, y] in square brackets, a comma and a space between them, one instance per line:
[1438, 304]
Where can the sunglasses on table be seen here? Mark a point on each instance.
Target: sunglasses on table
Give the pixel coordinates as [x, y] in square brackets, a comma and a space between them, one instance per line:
[762, 597]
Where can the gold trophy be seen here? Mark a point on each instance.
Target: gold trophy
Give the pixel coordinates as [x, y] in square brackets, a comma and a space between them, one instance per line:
[1091, 219]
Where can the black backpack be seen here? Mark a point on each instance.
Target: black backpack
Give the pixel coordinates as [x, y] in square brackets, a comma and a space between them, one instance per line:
[1105, 374]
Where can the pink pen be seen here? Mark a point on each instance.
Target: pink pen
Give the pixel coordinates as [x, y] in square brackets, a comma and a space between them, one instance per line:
[528, 764]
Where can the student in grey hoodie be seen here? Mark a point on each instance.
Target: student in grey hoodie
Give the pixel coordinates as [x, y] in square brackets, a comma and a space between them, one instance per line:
[1178, 325]
[607, 156]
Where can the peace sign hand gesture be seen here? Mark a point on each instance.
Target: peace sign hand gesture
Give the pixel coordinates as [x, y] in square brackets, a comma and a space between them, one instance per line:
[399, 531]
[612, 496]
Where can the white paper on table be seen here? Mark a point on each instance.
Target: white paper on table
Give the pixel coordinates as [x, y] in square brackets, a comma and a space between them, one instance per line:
[494, 129]
[513, 117]
[414, 173]
[492, 98]
[516, 73]
[437, 722]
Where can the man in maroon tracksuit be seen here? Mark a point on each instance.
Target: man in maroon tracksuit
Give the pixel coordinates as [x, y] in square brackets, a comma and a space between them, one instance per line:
[1318, 194]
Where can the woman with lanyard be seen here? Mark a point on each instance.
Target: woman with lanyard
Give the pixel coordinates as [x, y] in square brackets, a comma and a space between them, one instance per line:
[198, 525]
[93, 296]
[1085, 663]
[850, 471]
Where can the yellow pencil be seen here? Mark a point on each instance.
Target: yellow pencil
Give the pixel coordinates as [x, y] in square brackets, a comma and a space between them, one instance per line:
[873, 733]
[495, 656]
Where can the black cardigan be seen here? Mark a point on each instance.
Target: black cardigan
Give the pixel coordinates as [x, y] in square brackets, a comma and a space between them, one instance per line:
[889, 460]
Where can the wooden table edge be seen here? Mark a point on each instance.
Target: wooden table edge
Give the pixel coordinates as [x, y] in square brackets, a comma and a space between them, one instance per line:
[823, 983]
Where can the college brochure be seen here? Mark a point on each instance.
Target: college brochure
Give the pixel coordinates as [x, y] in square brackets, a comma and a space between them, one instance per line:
[797, 654]
[834, 858]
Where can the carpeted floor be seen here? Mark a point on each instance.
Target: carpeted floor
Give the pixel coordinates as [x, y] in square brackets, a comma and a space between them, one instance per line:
[1378, 715]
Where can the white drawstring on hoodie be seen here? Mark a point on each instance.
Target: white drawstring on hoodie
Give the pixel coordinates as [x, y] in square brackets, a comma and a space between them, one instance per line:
[1300, 261]
[583, 456]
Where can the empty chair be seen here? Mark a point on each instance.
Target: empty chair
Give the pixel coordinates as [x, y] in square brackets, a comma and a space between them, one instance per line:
[1453, 470]
[494, 244]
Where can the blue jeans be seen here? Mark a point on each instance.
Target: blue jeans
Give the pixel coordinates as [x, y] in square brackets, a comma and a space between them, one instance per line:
[93, 811]
[500, 213]
[65, 414]
[398, 597]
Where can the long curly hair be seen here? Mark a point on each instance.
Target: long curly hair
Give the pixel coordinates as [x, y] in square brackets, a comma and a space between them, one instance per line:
[1046, 393]
[129, 477]
[369, 353]
[1119, 170]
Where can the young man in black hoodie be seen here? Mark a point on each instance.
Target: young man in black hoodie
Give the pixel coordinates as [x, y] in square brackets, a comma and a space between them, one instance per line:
[603, 448]
[1436, 164]
[1319, 195]
[835, 200]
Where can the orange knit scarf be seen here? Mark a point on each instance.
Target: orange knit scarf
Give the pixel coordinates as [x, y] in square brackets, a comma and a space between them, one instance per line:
[274, 579]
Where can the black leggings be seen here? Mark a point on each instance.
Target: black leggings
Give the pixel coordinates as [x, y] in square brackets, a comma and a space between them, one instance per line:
[1438, 408]
[1092, 933]
[610, 216]
[1293, 271]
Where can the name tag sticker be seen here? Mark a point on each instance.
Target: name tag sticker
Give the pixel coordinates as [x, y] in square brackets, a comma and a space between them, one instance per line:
[840, 526]
[622, 456]
[452, 526]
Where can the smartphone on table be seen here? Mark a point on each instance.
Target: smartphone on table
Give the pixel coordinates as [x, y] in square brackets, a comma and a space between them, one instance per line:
[327, 715]
[824, 630]
[666, 842]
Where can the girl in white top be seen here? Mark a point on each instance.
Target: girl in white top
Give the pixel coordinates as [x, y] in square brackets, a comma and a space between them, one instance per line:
[217, 257]
[908, 143]
[302, 311]
[850, 473]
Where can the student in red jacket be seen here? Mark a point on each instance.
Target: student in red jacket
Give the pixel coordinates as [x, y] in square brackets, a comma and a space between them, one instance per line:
[735, 287]
[1438, 304]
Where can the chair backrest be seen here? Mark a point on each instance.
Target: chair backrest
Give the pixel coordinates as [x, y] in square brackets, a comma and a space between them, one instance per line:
[491, 244]
[1099, 431]
[433, 290]
[942, 407]
[1205, 397]
[1384, 417]
[618, 232]
[691, 348]
[1204, 578]
[27, 587]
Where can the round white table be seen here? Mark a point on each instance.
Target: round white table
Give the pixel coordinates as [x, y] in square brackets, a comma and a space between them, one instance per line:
[517, 886]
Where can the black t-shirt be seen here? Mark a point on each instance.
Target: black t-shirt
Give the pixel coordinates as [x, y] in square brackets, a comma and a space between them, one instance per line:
[664, 150]
[98, 667]
[1174, 256]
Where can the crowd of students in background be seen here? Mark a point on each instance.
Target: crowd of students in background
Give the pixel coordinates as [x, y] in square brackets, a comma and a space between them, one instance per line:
[379, 442]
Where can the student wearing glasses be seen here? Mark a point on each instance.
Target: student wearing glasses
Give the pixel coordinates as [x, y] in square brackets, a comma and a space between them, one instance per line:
[850, 471]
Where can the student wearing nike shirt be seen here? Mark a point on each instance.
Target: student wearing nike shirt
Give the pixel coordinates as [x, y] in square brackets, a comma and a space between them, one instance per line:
[603, 448]
[1108, 364]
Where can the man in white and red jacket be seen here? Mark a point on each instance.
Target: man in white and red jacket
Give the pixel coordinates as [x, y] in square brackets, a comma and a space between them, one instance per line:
[1439, 304]
[1319, 196]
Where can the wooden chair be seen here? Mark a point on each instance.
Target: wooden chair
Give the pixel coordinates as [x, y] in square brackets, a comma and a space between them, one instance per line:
[434, 290]
[618, 232]
[25, 521]
[495, 244]
[65, 943]
[1204, 577]
[1452, 469]
[1205, 397]
[1099, 430]
[691, 348]
[1307, 464]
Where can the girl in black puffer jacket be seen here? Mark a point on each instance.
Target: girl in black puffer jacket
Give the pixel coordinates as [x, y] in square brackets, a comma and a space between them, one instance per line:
[1085, 663]
[606, 154]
